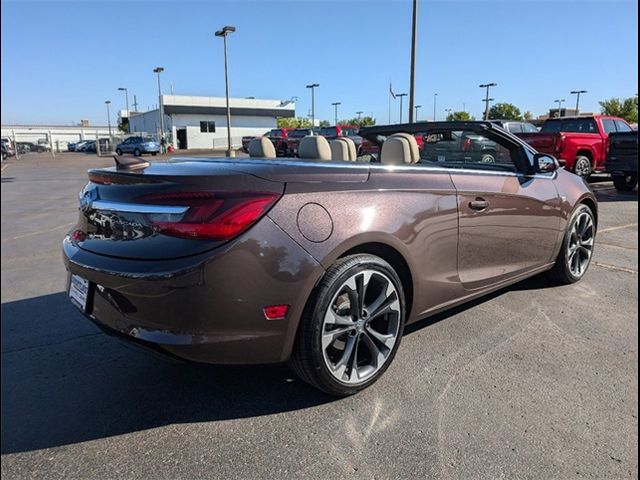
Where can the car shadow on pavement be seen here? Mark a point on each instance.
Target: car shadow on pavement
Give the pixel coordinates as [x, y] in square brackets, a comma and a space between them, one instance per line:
[65, 382]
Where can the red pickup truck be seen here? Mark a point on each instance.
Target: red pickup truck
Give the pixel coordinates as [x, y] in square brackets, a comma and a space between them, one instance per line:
[278, 137]
[581, 143]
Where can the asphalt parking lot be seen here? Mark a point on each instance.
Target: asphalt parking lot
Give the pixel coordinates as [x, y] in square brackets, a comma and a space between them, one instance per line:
[535, 381]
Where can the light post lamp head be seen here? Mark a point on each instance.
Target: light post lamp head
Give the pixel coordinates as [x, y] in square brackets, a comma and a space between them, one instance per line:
[225, 31]
[122, 89]
[158, 70]
[313, 85]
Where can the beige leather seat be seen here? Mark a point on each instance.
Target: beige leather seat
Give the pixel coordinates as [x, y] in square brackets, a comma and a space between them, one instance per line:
[399, 149]
[262, 147]
[314, 147]
[344, 149]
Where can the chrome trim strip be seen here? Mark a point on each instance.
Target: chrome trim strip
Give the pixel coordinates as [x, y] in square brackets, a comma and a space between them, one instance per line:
[453, 171]
[135, 207]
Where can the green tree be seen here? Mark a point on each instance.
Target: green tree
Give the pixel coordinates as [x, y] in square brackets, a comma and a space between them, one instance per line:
[123, 126]
[325, 123]
[300, 122]
[624, 108]
[361, 122]
[460, 117]
[504, 111]
[528, 115]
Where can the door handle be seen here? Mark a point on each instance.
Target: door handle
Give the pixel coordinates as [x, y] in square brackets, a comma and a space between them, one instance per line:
[478, 204]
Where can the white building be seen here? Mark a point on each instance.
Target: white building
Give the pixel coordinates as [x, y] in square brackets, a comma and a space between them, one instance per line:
[201, 122]
[57, 136]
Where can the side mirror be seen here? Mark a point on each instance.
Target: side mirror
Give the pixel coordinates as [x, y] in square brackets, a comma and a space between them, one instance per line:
[545, 163]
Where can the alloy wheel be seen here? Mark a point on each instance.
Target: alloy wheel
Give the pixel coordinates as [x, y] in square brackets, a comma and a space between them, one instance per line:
[580, 245]
[361, 327]
[582, 167]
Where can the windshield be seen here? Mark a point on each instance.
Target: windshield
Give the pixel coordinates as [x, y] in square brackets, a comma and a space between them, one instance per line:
[329, 132]
[349, 131]
[276, 133]
[299, 133]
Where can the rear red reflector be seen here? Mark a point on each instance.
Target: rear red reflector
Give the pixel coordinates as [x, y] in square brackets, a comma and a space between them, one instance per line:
[275, 312]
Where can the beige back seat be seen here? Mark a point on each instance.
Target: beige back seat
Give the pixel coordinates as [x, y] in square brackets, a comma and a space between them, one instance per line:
[314, 147]
[262, 147]
[343, 148]
[399, 149]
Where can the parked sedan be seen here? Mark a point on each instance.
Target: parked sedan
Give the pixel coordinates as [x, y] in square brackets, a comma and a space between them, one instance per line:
[320, 263]
[138, 146]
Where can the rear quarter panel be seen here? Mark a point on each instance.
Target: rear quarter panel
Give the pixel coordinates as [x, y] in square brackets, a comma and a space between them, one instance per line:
[411, 210]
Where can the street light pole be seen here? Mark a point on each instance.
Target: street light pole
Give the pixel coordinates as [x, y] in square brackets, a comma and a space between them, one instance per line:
[416, 107]
[435, 100]
[335, 105]
[223, 33]
[107, 103]
[126, 96]
[448, 112]
[313, 86]
[412, 81]
[159, 70]
[578, 92]
[401, 95]
[487, 99]
[359, 113]
[559, 102]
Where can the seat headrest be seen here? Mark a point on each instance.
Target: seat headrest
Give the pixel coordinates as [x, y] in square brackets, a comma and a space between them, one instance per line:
[400, 148]
[262, 147]
[314, 147]
[344, 149]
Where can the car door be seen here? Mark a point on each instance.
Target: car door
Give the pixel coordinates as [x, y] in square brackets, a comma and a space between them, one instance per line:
[125, 146]
[508, 222]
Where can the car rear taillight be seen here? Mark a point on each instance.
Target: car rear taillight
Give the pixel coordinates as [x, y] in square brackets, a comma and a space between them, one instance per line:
[211, 215]
[559, 143]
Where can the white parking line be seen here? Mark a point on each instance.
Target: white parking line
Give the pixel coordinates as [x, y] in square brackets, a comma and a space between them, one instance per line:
[613, 229]
[39, 232]
[616, 268]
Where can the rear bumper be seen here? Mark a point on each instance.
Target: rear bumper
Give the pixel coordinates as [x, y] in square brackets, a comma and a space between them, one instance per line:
[208, 307]
[622, 163]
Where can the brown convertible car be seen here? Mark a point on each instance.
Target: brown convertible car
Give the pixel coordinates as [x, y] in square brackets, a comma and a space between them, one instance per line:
[321, 261]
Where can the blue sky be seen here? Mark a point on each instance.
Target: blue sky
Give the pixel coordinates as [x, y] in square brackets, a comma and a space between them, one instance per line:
[62, 60]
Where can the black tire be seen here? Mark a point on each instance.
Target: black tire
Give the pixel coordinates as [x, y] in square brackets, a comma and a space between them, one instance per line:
[118, 152]
[561, 272]
[625, 182]
[137, 152]
[307, 360]
[153, 154]
[583, 167]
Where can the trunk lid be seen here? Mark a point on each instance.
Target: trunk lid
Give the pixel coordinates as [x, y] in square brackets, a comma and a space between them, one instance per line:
[188, 206]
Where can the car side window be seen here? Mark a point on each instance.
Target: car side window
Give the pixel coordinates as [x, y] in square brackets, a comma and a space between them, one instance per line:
[622, 126]
[515, 127]
[609, 125]
[467, 149]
